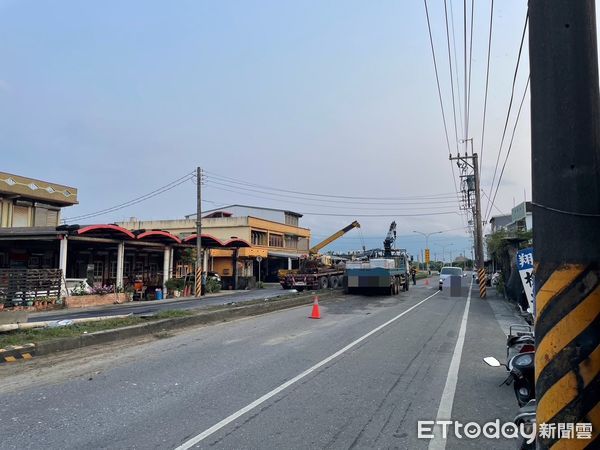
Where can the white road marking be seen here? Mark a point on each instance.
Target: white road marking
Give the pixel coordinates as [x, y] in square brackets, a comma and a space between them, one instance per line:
[445, 409]
[206, 433]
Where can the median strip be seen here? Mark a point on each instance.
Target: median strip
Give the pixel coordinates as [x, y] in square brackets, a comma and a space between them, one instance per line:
[44, 341]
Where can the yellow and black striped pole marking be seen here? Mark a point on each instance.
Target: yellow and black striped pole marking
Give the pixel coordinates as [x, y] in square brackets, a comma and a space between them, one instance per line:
[198, 280]
[15, 352]
[567, 357]
[482, 285]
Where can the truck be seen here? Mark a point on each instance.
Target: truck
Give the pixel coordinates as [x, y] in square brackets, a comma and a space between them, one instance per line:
[317, 271]
[388, 274]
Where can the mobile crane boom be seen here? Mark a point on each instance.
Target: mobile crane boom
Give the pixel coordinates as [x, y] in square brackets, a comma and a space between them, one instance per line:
[314, 250]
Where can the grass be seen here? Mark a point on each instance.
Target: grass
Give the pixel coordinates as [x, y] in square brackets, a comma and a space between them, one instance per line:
[20, 337]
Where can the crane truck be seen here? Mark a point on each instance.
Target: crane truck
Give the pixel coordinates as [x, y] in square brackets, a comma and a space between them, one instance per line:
[316, 271]
[388, 274]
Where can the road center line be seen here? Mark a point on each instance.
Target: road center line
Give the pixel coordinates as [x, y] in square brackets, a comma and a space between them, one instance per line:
[445, 409]
[206, 433]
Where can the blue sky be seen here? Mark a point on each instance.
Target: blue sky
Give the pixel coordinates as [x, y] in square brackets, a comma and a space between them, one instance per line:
[339, 97]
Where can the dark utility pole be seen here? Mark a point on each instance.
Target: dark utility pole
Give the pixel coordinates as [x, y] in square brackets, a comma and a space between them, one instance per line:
[199, 291]
[565, 133]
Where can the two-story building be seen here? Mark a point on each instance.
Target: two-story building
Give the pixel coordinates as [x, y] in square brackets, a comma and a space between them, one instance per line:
[276, 239]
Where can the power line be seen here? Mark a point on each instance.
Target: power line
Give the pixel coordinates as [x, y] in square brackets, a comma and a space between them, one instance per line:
[510, 145]
[149, 195]
[225, 179]
[437, 78]
[235, 190]
[451, 72]
[512, 94]
[377, 215]
[487, 79]
[470, 66]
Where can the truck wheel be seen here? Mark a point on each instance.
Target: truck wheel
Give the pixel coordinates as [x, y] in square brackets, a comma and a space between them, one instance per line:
[333, 282]
[324, 283]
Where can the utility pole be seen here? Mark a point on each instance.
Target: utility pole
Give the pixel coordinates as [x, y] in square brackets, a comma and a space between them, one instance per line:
[565, 150]
[199, 291]
[469, 166]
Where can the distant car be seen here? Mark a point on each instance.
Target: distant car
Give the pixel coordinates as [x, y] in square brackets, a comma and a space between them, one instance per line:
[447, 272]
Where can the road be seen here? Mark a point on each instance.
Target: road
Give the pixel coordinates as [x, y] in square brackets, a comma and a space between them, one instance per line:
[150, 307]
[360, 377]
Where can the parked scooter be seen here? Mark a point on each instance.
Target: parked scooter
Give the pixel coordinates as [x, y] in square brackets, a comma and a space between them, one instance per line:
[520, 339]
[522, 375]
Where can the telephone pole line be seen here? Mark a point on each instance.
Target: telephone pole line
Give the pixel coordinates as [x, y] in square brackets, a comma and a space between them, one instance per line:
[199, 291]
[471, 189]
[565, 151]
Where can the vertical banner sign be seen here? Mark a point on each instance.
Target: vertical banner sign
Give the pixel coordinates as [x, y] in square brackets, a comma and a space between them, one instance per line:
[427, 256]
[525, 266]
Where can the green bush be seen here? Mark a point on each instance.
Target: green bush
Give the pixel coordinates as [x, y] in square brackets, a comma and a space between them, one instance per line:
[212, 286]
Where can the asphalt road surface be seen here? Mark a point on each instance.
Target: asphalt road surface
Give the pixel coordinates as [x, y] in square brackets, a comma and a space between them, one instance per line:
[150, 307]
[360, 377]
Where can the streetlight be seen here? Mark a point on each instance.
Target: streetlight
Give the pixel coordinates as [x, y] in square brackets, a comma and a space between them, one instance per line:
[444, 251]
[427, 241]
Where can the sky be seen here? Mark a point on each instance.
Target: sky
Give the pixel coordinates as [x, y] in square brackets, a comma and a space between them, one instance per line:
[332, 98]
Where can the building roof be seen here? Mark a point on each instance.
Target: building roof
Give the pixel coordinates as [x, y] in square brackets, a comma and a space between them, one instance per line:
[17, 186]
[210, 211]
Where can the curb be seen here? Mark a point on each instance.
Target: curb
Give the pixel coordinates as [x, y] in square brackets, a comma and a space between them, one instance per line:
[14, 352]
[204, 318]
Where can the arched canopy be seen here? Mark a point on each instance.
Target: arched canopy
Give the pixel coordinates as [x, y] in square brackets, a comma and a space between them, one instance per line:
[158, 236]
[236, 243]
[104, 230]
[207, 240]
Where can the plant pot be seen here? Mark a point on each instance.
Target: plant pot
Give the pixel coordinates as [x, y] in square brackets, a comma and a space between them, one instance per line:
[176, 293]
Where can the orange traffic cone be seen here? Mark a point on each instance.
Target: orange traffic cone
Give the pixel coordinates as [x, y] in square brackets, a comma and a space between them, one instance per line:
[316, 313]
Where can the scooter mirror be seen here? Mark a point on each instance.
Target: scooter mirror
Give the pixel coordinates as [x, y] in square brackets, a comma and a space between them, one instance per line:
[491, 361]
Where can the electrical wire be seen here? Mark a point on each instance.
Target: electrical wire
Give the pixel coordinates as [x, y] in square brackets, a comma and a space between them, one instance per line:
[487, 79]
[509, 148]
[134, 201]
[451, 73]
[512, 94]
[437, 78]
[384, 206]
[470, 66]
[377, 215]
[330, 196]
[560, 211]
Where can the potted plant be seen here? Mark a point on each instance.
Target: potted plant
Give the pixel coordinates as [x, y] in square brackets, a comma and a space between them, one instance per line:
[175, 286]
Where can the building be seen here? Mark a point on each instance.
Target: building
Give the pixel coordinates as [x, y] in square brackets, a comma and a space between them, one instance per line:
[500, 222]
[276, 240]
[27, 202]
[31, 238]
[520, 219]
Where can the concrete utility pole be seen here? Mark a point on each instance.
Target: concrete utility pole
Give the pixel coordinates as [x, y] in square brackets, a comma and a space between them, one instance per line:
[199, 288]
[565, 138]
[473, 185]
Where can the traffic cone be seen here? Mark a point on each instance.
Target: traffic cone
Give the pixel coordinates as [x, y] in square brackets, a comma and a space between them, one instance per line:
[316, 313]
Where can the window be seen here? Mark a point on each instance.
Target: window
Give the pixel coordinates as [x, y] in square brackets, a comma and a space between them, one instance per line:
[291, 241]
[20, 216]
[113, 270]
[259, 238]
[291, 219]
[45, 217]
[98, 271]
[275, 240]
